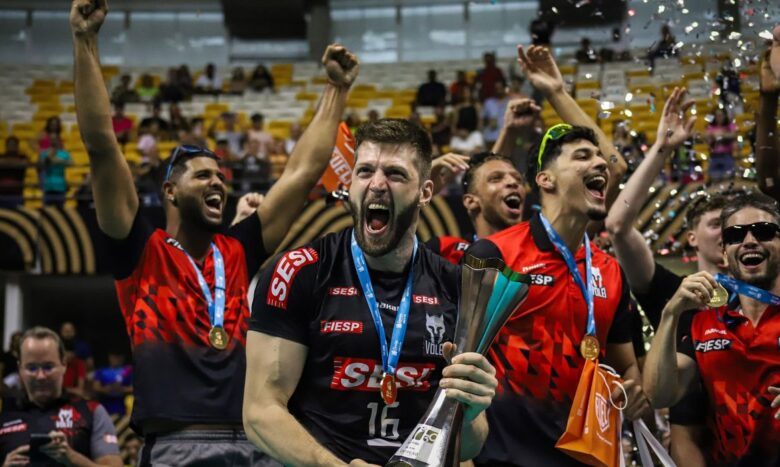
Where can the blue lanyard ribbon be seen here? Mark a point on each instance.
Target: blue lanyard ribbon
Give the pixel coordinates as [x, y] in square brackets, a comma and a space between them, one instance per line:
[216, 303]
[389, 357]
[741, 288]
[568, 257]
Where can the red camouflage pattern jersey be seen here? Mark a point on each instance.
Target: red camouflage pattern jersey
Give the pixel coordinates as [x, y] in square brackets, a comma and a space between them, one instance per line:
[536, 354]
[737, 361]
[179, 377]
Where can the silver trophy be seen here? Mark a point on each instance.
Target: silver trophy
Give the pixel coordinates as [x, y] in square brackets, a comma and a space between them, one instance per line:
[490, 293]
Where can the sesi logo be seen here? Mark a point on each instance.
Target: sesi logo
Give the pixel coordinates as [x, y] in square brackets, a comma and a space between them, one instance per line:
[343, 291]
[713, 344]
[365, 374]
[425, 300]
[349, 327]
[285, 271]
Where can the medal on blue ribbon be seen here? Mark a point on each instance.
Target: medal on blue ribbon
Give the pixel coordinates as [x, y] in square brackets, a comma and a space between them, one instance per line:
[741, 288]
[392, 353]
[589, 347]
[218, 337]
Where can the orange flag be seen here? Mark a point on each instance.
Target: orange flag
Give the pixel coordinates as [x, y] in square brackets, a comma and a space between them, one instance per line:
[339, 171]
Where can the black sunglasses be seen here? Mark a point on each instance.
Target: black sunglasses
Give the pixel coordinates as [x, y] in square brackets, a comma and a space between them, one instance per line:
[186, 150]
[762, 231]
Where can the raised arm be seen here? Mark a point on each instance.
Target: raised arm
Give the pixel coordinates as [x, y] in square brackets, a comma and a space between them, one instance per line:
[277, 365]
[520, 113]
[540, 68]
[767, 151]
[633, 253]
[308, 161]
[668, 373]
[116, 201]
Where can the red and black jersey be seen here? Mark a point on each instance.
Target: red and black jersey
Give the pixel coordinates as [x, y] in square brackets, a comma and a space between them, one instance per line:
[179, 377]
[737, 362]
[536, 354]
[449, 248]
[312, 295]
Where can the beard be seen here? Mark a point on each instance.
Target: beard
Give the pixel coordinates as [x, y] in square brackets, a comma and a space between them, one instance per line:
[396, 228]
[495, 219]
[596, 214]
[191, 214]
[764, 281]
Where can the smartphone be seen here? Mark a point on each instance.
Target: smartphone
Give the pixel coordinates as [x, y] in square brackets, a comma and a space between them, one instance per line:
[38, 440]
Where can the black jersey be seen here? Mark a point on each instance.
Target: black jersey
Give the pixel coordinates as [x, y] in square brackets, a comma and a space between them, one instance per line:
[312, 296]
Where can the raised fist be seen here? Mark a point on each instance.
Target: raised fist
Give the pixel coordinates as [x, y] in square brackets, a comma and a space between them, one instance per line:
[86, 16]
[520, 113]
[340, 65]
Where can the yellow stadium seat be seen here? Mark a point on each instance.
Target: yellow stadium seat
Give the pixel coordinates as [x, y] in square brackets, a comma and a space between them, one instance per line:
[319, 80]
[216, 107]
[397, 112]
[306, 96]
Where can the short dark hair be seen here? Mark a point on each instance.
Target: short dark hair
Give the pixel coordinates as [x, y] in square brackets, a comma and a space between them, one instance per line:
[257, 117]
[40, 332]
[749, 200]
[478, 160]
[553, 149]
[180, 162]
[704, 204]
[399, 131]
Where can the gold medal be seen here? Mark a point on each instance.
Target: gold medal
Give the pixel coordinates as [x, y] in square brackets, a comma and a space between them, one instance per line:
[589, 347]
[389, 389]
[218, 338]
[720, 297]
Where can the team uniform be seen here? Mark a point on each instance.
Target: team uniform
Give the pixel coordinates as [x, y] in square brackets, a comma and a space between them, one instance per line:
[737, 362]
[449, 248]
[536, 354]
[86, 424]
[313, 296]
[179, 377]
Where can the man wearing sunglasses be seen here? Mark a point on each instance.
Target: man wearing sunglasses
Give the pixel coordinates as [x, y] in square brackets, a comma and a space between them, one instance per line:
[183, 290]
[733, 350]
[537, 354]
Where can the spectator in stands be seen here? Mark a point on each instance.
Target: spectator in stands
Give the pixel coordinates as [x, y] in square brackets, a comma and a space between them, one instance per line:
[53, 162]
[209, 82]
[466, 143]
[620, 49]
[467, 113]
[177, 120]
[124, 92]
[150, 173]
[147, 142]
[91, 437]
[586, 54]
[296, 130]
[729, 84]
[13, 165]
[493, 113]
[163, 126]
[631, 145]
[488, 76]
[147, 90]
[664, 47]
[258, 133]
[170, 90]
[721, 136]
[458, 86]
[432, 92]
[74, 382]
[9, 362]
[255, 170]
[196, 133]
[113, 383]
[130, 449]
[184, 80]
[52, 134]
[441, 128]
[352, 121]
[230, 132]
[238, 82]
[83, 350]
[261, 80]
[123, 126]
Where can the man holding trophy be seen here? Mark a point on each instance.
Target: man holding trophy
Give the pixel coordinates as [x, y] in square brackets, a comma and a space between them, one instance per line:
[349, 333]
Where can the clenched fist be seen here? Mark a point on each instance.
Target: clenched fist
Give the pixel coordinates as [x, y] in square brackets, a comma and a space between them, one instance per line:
[86, 16]
[520, 113]
[341, 65]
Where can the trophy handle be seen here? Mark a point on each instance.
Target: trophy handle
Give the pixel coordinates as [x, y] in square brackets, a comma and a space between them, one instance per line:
[434, 441]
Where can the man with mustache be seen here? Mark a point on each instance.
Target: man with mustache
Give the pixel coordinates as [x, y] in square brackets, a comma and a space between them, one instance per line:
[183, 290]
[732, 350]
[348, 334]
